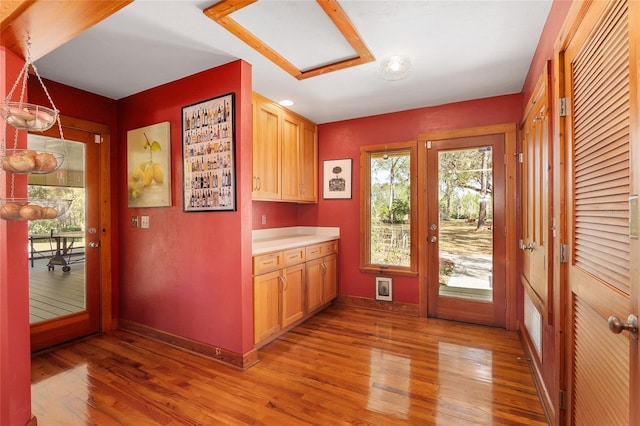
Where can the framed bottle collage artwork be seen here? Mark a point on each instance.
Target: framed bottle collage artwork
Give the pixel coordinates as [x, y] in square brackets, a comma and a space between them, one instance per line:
[208, 151]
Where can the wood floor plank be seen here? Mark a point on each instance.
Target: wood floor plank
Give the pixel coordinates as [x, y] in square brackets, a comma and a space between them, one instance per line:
[345, 366]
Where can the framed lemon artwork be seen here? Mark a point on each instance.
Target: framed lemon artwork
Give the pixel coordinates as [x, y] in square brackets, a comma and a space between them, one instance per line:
[149, 166]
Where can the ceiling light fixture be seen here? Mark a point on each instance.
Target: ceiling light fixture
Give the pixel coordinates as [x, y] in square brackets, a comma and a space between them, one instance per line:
[395, 67]
[286, 102]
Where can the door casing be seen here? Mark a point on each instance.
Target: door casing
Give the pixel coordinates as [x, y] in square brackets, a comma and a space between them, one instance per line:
[509, 130]
[102, 136]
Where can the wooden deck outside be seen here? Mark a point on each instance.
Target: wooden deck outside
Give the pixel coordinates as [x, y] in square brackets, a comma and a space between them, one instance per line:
[344, 366]
[55, 293]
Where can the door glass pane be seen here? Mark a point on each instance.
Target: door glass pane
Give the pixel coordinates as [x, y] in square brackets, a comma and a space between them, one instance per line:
[390, 208]
[56, 246]
[465, 182]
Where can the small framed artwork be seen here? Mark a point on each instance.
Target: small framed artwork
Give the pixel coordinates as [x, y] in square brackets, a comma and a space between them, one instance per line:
[208, 153]
[384, 288]
[337, 179]
[149, 166]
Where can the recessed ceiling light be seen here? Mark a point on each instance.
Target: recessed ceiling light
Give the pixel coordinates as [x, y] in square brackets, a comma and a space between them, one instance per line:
[395, 67]
[286, 102]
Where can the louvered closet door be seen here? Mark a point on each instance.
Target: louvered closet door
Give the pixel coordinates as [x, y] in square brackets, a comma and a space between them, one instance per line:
[596, 69]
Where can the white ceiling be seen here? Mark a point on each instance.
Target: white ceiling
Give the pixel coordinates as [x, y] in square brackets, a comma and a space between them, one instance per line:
[460, 50]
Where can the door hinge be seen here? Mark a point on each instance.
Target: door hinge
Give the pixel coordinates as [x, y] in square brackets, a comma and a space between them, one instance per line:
[520, 157]
[97, 139]
[562, 107]
[563, 253]
[428, 144]
[562, 402]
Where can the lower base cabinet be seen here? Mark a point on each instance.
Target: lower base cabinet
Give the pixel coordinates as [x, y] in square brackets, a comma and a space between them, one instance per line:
[292, 294]
[266, 321]
[290, 286]
[321, 281]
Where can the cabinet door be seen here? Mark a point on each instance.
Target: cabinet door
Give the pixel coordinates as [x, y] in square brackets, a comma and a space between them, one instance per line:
[266, 305]
[314, 284]
[329, 278]
[293, 294]
[266, 150]
[309, 162]
[291, 129]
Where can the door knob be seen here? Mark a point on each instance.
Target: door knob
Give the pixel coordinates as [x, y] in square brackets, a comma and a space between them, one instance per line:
[433, 239]
[529, 247]
[631, 325]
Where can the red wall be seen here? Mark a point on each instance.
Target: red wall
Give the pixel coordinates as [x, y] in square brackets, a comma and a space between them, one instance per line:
[343, 139]
[15, 361]
[190, 273]
[278, 215]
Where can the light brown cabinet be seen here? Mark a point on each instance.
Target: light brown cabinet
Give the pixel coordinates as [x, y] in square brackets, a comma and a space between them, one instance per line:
[308, 162]
[330, 278]
[288, 287]
[321, 274]
[266, 314]
[278, 291]
[285, 154]
[267, 166]
[292, 294]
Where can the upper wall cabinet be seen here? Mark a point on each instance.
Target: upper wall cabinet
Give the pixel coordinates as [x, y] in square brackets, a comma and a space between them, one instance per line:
[285, 154]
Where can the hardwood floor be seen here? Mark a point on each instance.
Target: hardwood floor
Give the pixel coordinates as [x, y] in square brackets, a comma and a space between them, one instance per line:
[344, 366]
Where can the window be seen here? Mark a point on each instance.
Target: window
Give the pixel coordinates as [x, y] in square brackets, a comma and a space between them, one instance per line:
[388, 209]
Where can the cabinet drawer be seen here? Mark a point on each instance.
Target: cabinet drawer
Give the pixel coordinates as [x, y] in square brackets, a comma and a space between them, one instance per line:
[294, 256]
[267, 262]
[319, 250]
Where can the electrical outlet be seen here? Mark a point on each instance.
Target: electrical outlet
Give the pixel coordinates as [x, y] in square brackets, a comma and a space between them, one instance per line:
[264, 219]
[134, 221]
[144, 222]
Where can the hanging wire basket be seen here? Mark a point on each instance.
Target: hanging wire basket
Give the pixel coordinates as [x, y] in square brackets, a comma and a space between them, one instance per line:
[35, 118]
[27, 161]
[29, 117]
[33, 209]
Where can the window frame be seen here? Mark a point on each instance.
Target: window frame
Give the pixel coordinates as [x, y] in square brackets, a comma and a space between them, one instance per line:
[366, 153]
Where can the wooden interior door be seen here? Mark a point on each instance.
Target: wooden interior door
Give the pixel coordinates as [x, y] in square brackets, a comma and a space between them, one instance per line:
[535, 196]
[87, 318]
[602, 184]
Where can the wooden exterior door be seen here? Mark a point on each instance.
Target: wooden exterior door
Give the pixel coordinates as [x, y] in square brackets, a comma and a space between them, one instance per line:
[466, 243]
[600, 82]
[84, 318]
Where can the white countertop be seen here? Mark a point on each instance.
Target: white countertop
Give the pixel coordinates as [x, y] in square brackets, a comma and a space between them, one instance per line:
[274, 239]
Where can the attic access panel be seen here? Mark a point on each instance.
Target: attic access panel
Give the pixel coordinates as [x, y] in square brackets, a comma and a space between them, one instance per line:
[220, 13]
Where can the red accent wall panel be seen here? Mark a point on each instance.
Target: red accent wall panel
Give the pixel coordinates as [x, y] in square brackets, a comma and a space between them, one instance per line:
[189, 273]
[343, 139]
[15, 360]
[277, 215]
